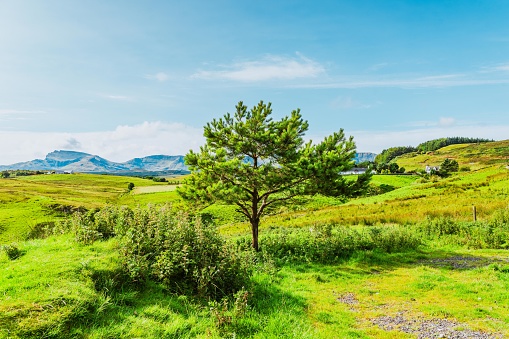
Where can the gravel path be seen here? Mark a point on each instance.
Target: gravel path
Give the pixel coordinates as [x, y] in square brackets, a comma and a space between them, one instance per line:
[430, 328]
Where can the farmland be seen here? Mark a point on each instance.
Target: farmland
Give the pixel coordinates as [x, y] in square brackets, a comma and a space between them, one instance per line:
[412, 260]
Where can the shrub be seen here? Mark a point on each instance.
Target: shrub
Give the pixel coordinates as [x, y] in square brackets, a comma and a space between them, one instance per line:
[330, 243]
[482, 234]
[12, 251]
[184, 254]
[169, 246]
[96, 224]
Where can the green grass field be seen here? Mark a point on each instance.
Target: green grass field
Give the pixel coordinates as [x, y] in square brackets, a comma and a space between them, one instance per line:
[27, 201]
[57, 288]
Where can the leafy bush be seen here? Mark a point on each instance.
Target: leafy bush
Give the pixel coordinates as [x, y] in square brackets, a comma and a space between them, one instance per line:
[330, 243]
[12, 251]
[41, 230]
[482, 234]
[168, 246]
[182, 253]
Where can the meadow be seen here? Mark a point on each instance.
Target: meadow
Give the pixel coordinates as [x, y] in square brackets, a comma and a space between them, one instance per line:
[407, 263]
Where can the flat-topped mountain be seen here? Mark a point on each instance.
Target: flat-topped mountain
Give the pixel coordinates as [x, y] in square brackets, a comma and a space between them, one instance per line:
[88, 163]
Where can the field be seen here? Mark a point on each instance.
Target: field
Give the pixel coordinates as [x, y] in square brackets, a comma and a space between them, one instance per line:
[453, 280]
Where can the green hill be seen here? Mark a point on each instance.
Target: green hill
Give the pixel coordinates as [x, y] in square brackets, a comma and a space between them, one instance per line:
[473, 156]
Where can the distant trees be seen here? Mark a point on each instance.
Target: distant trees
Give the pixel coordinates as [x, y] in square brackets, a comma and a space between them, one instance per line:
[433, 145]
[429, 146]
[391, 168]
[388, 154]
[448, 166]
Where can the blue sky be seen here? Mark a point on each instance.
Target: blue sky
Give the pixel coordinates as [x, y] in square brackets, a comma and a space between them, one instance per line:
[124, 79]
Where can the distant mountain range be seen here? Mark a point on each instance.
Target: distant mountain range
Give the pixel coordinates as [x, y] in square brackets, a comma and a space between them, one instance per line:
[88, 163]
[72, 161]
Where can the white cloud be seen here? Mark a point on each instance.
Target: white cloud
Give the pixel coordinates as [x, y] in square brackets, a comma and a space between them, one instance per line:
[117, 97]
[496, 68]
[269, 68]
[397, 81]
[446, 122]
[121, 144]
[345, 103]
[15, 112]
[161, 76]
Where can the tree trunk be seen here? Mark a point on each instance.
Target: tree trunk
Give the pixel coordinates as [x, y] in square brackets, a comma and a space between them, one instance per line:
[254, 228]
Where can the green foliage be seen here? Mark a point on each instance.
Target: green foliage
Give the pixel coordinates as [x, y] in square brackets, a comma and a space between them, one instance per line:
[96, 224]
[388, 154]
[492, 234]
[130, 186]
[433, 145]
[332, 243]
[254, 162]
[448, 166]
[12, 251]
[182, 253]
[165, 245]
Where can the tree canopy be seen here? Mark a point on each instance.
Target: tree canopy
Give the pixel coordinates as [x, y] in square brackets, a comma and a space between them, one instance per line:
[251, 161]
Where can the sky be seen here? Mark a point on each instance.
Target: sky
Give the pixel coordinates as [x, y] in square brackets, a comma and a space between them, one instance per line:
[125, 79]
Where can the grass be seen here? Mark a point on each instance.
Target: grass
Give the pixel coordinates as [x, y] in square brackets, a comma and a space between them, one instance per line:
[487, 189]
[58, 288]
[74, 292]
[28, 201]
[474, 156]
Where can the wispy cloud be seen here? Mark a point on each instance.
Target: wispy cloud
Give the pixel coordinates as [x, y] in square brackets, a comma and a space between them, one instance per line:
[441, 122]
[440, 81]
[446, 122]
[346, 103]
[502, 67]
[378, 66]
[268, 68]
[117, 97]
[16, 112]
[161, 76]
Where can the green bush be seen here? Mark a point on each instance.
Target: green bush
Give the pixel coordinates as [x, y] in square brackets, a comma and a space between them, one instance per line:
[330, 243]
[184, 254]
[12, 251]
[96, 224]
[161, 244]
[482, 234]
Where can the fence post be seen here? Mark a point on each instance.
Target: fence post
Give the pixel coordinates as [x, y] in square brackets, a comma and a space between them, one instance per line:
[474, 213]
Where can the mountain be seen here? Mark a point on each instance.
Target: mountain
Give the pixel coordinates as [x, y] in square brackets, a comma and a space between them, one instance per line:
[88, 163]
[362, 157]
[158, 163]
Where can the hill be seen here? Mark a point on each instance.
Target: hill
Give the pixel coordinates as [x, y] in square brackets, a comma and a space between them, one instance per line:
[473, 156]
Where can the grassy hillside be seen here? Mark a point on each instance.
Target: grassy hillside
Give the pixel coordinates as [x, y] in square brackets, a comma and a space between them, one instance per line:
[474, 156]
[30, 200]
[412, 200]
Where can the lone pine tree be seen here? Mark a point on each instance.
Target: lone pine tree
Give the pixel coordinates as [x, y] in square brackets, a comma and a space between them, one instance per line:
[253, 162]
